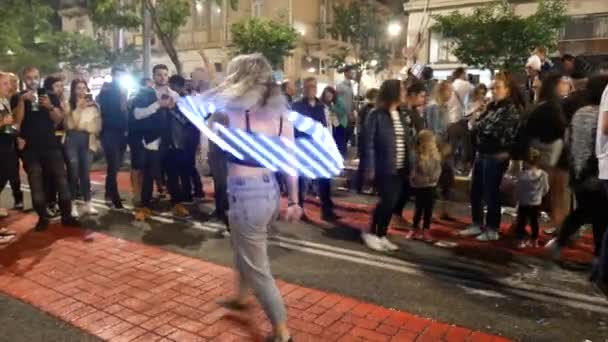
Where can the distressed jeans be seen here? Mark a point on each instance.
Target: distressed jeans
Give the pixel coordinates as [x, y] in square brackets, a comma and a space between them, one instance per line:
[77, 148]
[254, 205]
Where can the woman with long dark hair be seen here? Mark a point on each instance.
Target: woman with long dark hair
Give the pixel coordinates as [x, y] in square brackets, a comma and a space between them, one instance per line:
[253, 102]
[83, 123]
[387, 161]
[544, 131]
[334, 115]
[497, 134]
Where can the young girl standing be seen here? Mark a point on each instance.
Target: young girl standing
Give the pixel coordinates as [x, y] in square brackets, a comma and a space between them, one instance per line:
[532, 185]
[425, 172]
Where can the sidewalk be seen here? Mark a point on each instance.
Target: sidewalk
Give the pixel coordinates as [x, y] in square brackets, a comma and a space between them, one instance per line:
[126, 291]
[356, 214]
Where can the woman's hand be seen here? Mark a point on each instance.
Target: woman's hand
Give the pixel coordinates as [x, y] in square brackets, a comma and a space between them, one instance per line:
[294, 213]
[7, 120]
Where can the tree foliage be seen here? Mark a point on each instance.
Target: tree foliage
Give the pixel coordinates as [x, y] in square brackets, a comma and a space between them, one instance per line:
[30, 35]
[168, 16]
[272, 39]
[360, 24]
[493, 37]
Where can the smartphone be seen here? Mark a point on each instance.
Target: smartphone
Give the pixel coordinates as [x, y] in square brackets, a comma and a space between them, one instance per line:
[41, 92]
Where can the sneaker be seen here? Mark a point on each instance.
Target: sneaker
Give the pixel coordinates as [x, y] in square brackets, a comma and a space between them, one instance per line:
[521, 244]
[388, 244]
[90, 209]
[180, 211]
[19, 205]
[533, 243]
[550, 231]
[427, 237]
[552, 249]
[488, 235]
[473, 230]
[373, 242]
[71, 222]
[74, 211]
[411, 234]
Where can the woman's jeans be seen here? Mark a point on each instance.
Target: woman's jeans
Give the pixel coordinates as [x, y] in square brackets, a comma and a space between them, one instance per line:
[340, 138]
[254, 205]
[77, 147]
[390, 189]
[485, 190]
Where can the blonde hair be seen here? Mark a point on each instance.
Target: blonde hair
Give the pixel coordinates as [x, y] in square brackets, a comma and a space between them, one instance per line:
[249, 85]
[426, 146]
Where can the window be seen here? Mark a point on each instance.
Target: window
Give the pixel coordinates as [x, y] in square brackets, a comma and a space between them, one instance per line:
[439, 49]
[80, 25]
[257, 8]
[585, 28]
[199, 14]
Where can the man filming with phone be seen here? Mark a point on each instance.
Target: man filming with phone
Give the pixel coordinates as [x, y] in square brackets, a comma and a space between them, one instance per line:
[40, 149]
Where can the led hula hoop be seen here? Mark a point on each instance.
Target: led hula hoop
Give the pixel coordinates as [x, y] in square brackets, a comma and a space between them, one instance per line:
[313, 156]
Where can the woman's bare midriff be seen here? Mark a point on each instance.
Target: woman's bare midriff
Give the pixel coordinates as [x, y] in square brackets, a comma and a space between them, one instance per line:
[235, 170]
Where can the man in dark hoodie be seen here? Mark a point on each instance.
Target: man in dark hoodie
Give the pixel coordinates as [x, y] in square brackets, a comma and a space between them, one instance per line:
[112, 101]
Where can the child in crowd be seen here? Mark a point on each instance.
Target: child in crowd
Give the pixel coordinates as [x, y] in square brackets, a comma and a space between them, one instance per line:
[425, 172]
[532, 185]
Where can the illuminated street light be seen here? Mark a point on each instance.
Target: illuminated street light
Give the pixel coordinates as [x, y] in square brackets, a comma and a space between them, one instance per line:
[394, 29]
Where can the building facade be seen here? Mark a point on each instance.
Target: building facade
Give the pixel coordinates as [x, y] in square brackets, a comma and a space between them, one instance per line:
[208, 29]
[585, 35]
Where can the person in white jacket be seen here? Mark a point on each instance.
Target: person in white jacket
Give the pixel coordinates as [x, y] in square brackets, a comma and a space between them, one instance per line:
[83, 124]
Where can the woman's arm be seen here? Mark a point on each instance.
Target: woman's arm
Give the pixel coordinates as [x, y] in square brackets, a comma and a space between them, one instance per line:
[292, 181]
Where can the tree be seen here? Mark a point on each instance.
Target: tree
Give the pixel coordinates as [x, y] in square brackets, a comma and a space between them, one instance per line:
[272, 39]
[168, 16]
[30, 34]
[494, 38]
[361, 25]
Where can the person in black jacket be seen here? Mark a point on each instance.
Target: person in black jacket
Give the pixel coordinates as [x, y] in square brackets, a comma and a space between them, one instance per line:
[410, 110]
[545, 129]
[40, 149]
[497, 133]
[386, 161]
[163, 129]
[112, 101]
[192, 141]
[311, 106]
[370, 97]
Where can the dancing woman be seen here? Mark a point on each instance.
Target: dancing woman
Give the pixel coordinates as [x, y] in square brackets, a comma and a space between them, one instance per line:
[253, 102]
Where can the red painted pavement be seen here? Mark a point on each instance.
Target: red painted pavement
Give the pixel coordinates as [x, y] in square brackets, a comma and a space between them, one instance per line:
[126, 291]
[358, 216]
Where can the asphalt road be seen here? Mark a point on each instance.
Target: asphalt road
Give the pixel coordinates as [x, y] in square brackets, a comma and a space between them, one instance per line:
[521, 298]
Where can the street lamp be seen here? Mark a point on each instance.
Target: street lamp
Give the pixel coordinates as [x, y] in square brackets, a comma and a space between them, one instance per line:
[394, 29]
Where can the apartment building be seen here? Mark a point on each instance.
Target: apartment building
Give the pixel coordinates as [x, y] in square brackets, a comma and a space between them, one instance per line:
[585, 35]
[208, 29]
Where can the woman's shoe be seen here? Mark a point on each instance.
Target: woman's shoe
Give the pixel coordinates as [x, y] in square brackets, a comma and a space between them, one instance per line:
[488, 235]
[233, 304]
[373, 242]
[388, 244]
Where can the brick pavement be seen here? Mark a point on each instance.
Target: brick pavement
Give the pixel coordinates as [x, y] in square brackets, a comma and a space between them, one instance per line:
[126, 291]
